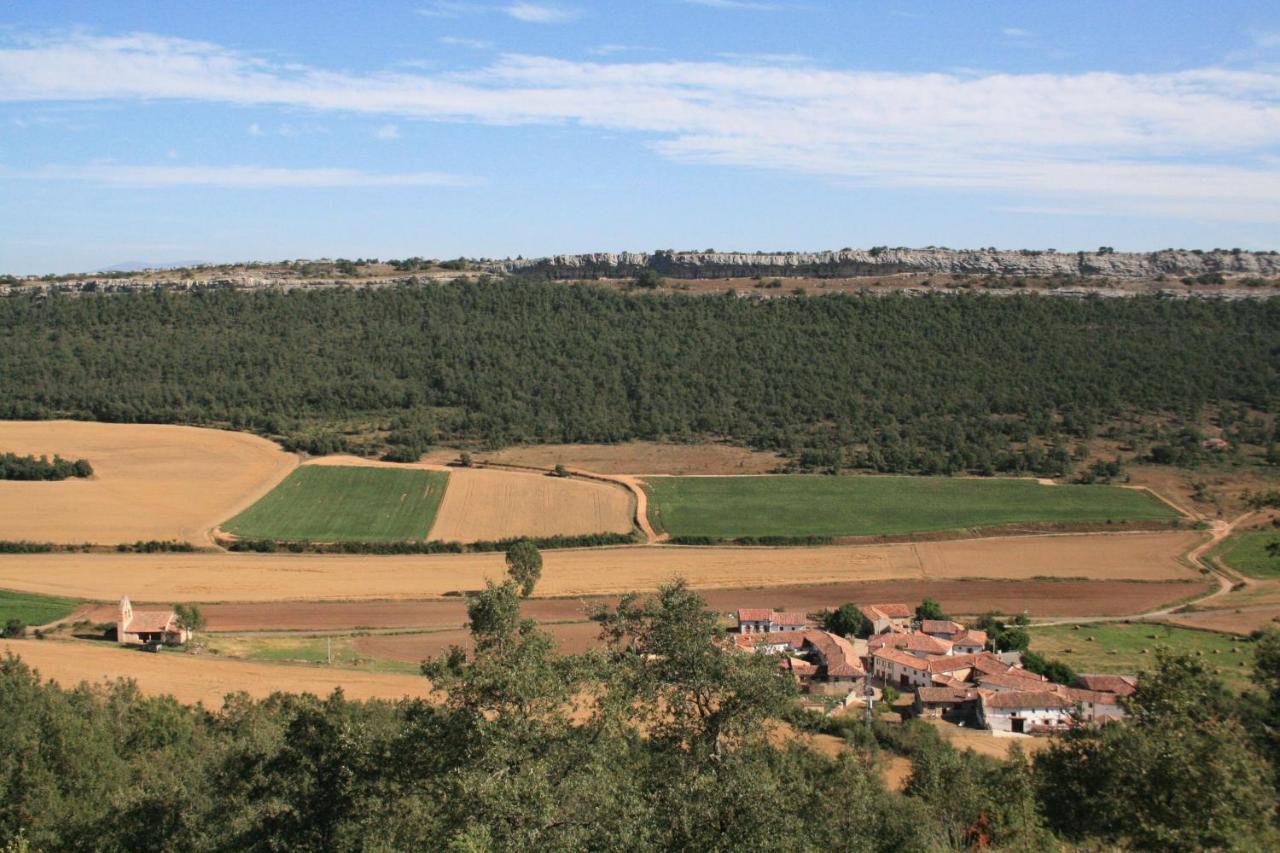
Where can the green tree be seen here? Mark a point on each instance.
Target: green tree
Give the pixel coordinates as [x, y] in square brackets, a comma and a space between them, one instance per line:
[648, 279]
[929, 609]
[190, 617]
[1177, 775]
[846, 620]
[524, 565]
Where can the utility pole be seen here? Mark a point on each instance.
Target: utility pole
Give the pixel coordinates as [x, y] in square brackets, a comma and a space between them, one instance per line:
[329, 643]
[868, 693]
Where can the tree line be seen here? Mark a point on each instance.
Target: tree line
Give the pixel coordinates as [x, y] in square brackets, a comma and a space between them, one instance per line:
[931, 384]
[15, 467]
[663, 739]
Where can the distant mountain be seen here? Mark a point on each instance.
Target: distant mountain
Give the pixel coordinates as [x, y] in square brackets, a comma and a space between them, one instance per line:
[139, 266]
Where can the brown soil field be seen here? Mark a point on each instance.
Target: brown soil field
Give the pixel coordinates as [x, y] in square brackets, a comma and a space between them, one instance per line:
[599, 571]
[959, 597]
[150, 481]
[631, 457]
[485, 504]
[190, 678]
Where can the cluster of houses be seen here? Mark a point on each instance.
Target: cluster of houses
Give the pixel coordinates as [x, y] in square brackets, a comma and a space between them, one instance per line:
[946, 665]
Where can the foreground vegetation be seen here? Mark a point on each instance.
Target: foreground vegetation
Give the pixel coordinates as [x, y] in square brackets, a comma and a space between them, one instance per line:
[812, 505]
[345, 504]
[673, 744]
[891, 384]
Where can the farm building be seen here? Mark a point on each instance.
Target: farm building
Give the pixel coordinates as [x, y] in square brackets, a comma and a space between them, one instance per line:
[1120, 685]
[1023, 711]
[887, 617]
[954, 704]
[149, 627]
[755, 620]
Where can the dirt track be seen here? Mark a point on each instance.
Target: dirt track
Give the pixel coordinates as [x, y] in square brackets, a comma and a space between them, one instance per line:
[602, 571]
[150, 481]
[200, 678]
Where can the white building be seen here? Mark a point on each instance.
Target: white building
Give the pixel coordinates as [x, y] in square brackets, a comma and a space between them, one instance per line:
[1023, 711]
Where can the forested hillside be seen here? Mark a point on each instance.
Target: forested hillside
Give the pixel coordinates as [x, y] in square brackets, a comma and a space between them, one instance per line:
[931, 384]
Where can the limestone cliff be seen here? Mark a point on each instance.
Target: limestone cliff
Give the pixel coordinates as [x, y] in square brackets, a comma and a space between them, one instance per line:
[863, 262]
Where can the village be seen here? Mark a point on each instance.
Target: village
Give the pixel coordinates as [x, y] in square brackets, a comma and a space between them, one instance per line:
[938, 667]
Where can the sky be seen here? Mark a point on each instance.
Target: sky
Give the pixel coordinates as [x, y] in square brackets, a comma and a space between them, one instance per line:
[230, 131]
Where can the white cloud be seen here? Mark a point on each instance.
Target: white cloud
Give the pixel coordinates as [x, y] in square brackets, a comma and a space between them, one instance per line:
[255, 129]
[387, 131]
[539, 13]
[255, 177]
[1017, 32]
[751, 5]
[1203, 141]
[458, 41]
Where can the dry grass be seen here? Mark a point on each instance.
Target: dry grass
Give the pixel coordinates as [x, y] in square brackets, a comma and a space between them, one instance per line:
[648, 457]
[200, 678]
[601, 571]
[481, 504]
[150, 481]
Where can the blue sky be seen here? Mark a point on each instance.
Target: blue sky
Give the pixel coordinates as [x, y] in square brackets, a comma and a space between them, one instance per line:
[267, 130]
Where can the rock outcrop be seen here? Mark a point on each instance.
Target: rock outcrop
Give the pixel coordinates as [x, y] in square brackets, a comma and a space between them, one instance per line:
[868, 262]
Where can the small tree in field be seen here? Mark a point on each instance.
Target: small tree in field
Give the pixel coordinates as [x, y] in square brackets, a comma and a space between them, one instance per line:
[846, 620]
[189, 617]
[524, 566]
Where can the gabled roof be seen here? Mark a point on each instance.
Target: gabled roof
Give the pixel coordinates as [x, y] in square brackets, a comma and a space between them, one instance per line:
[1075, 694]
[940, 626]
[151, 622]
[970, 637]
[1014, 699]
[945, 694]
[838, 654]
[754, 614]
[887, 611]
[790, 618]
[1012, 680]
[1121, 685]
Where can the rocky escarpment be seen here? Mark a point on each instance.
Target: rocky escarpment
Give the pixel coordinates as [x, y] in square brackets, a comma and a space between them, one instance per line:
[869, 262]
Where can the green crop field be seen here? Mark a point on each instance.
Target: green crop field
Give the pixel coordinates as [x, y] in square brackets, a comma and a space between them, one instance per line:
[1119, 648]
[320, 503]
[33, 609]
[812, 505]
[1247, 553]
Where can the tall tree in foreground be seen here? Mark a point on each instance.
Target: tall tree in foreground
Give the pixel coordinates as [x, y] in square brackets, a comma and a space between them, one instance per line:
[1176, 775]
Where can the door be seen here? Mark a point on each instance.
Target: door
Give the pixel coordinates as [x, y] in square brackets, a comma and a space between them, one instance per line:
[1017, 725]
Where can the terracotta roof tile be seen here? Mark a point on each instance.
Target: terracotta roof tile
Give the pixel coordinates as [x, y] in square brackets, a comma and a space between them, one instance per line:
[1023, 699]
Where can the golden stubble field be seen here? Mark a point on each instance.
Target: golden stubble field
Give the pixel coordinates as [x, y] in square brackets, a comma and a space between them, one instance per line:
[150, 481]
[201, 678]
[210, 577]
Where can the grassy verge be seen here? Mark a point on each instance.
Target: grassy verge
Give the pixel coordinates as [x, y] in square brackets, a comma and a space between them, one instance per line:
[1121, 648]
[1246, 552]
[340, 504]
[811, 505]
[303, 650]
[33, 609]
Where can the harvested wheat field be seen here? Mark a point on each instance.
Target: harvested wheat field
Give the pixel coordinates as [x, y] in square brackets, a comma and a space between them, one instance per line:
[150, 481]
[1242, 621]
[482, 504]
[648, 457]
[597, 571]
[190, 678]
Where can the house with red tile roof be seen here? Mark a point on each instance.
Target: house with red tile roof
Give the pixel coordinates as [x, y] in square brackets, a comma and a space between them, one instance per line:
[1024, 711]
[887, 617]
[149, 627]
[755, 620]
[1120, 685]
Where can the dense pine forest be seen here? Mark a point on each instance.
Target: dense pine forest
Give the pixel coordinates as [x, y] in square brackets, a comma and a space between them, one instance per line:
[934, 384]
[676, 744]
